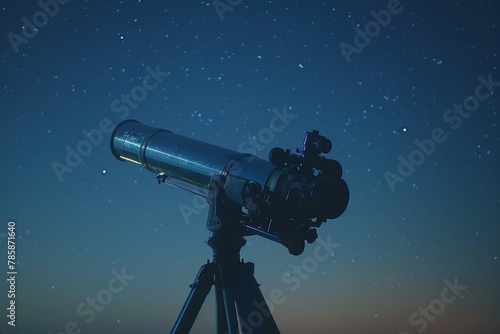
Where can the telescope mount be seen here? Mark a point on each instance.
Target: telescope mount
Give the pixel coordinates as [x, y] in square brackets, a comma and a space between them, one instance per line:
[240, 304]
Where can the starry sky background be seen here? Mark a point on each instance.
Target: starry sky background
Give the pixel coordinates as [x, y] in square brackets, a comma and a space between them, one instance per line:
[226, 77]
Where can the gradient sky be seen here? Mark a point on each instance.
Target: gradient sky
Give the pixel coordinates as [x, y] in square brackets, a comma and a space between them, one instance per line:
[397, 245]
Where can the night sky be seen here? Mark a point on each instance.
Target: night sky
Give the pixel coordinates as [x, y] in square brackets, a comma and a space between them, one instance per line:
[408, 93]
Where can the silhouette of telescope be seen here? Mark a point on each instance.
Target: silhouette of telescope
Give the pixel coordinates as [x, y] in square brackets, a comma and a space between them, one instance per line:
[284, 199]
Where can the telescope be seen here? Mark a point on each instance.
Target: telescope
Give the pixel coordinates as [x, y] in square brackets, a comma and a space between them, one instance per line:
[284, 199]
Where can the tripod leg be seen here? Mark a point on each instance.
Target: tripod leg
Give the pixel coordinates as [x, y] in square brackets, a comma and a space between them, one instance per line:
[269, 324]
[199, 291]
[220, 310]
[227, 286]
[254, 313]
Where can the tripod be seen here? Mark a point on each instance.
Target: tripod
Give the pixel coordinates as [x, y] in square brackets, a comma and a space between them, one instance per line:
[240, 304]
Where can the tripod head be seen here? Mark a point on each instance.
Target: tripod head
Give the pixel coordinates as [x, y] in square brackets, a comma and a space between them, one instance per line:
[284, 199]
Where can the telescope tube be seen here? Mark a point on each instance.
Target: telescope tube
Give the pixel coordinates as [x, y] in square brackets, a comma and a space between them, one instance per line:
[188, 164]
